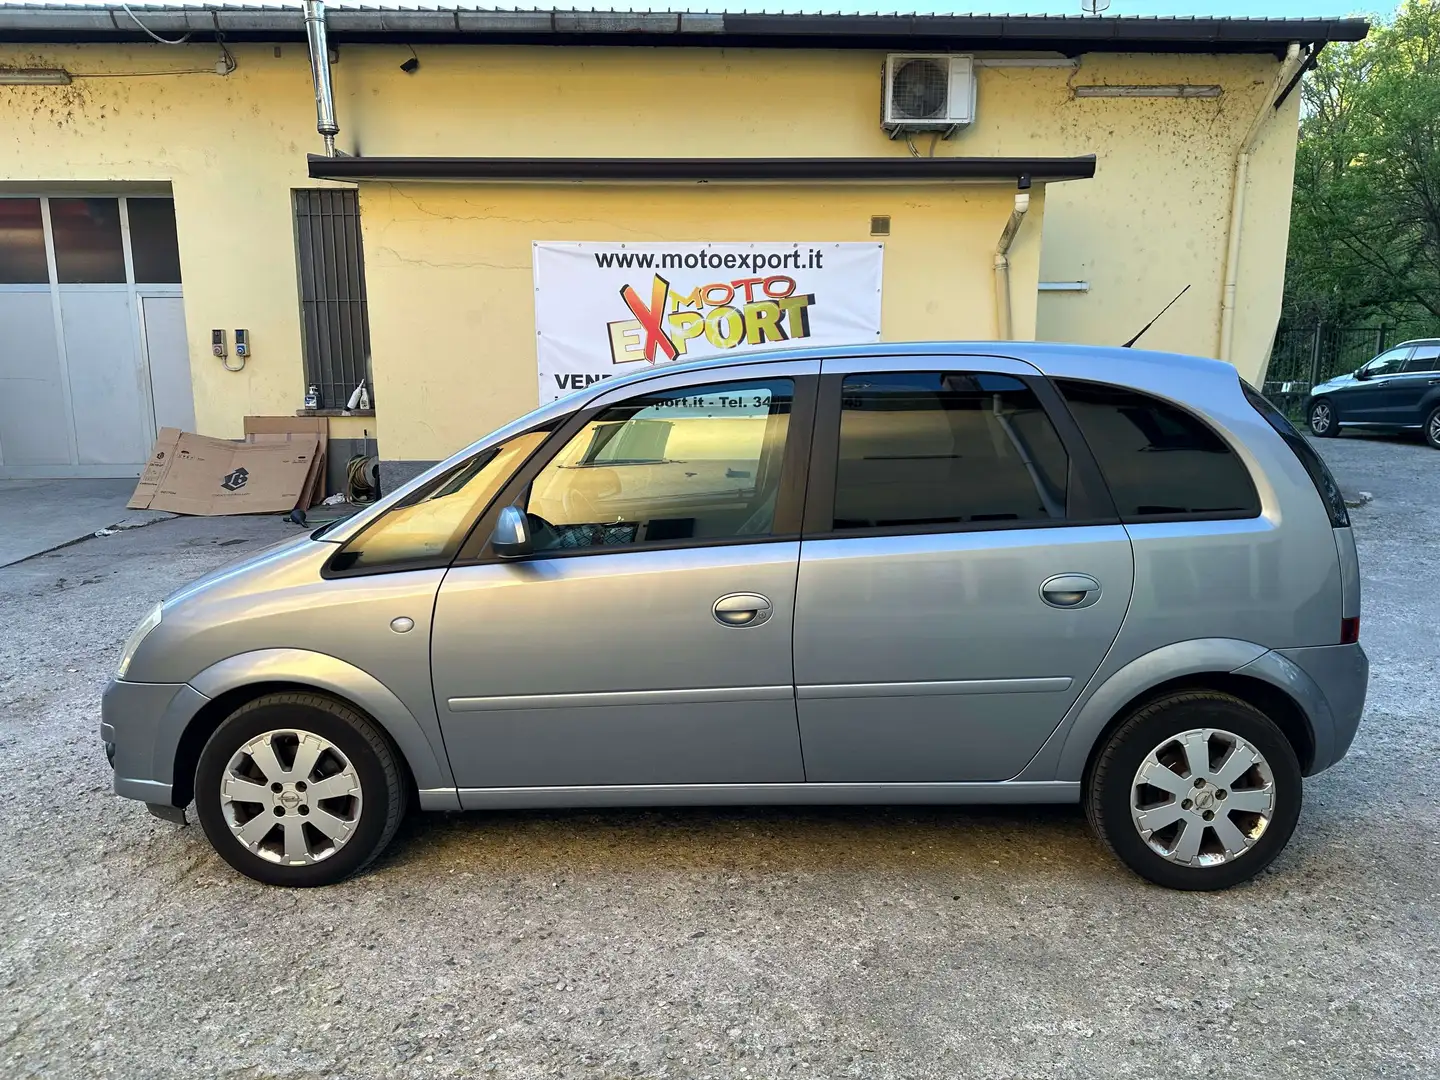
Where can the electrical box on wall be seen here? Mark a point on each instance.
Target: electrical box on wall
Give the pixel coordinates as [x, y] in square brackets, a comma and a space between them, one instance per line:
[928, 92]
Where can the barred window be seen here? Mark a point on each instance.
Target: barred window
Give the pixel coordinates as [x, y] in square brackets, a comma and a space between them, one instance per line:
[335, 320]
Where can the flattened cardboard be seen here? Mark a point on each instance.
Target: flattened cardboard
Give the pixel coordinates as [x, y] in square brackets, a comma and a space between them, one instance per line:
[161, 454]
[267, 428]
[211, 477]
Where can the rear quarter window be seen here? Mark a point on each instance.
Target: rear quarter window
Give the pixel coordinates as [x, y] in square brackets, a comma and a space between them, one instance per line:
[1160, 462]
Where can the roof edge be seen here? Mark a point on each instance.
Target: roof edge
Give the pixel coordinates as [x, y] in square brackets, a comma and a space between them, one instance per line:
[704, 170]
[1073, 35]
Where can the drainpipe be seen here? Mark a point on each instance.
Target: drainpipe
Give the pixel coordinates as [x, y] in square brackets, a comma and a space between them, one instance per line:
[320, 74]
[1002, 261]
[1288, 70]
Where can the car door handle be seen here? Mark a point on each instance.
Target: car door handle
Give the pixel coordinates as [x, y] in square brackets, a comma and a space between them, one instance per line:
[742, 609]
[1070, 590]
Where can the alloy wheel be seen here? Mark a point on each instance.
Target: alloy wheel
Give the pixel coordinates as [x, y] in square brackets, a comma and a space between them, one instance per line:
[291, 797]
[1203, 797]
[1320, 418]
[1434, 431]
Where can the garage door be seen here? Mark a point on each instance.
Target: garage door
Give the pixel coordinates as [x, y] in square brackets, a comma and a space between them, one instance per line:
[93, 359]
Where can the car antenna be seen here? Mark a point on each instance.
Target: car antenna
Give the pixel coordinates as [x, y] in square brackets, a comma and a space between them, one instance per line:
[1156, 319]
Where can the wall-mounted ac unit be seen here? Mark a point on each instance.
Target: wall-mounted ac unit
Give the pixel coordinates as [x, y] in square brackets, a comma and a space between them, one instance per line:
[928, 92]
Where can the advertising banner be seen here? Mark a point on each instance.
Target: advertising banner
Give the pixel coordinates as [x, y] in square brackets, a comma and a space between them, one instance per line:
[605, 309]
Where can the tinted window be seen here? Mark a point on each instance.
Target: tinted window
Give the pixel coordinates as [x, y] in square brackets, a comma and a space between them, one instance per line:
[930, 448]
[1158, 460]
[701, 463]
[1320, 476]
[22, 243]
[88, 249]
[429, 525]
[1388, 363]
[153, 243]
[1424, 358]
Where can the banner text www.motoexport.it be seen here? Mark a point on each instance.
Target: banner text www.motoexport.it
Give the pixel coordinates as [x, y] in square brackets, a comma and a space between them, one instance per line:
[809, 259]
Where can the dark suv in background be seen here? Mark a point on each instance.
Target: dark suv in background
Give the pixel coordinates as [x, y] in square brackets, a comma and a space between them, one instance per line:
[1397, 391]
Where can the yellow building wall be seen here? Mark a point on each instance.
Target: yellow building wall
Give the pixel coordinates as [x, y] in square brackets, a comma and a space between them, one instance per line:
[1153, 219]
[231, 149]
[452, 291]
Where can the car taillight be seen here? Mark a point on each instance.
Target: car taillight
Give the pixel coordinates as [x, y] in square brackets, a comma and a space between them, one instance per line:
[1350, 630]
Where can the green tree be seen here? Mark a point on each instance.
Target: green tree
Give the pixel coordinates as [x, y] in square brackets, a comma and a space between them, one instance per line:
[1365, 228]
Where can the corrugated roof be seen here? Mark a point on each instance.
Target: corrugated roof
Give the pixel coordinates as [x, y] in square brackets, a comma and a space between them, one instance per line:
[363, 22]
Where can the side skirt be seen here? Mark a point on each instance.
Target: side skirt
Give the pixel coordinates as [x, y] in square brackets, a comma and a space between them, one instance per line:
[1006, 792]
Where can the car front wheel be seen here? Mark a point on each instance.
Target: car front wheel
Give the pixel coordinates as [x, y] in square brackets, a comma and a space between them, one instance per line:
[1323, 421]
[1432, 428]
[1197, 790]
[298, 789]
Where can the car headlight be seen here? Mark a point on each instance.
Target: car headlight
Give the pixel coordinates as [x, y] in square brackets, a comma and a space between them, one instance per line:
[132, 643]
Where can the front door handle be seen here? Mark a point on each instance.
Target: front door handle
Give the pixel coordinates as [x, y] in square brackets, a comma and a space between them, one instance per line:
[742, 609]
[1070, 591]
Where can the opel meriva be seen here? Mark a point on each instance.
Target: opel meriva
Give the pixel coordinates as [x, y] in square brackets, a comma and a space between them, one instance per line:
[956, 573]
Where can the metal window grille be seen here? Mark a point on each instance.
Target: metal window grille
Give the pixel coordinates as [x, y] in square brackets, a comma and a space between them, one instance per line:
[334, 316]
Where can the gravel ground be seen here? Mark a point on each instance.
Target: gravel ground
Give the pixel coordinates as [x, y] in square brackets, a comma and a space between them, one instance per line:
[746, 943]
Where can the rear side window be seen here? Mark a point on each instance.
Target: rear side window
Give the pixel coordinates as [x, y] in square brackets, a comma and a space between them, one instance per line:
[940, 449]
[1320, 475]
[1160, 462]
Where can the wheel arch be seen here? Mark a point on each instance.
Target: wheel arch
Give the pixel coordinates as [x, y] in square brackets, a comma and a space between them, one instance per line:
[239, 679]
[1260, 677]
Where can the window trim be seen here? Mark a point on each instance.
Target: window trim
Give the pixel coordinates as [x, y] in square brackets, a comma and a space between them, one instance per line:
[1198, 417]
[475, 550]
[1087, 499]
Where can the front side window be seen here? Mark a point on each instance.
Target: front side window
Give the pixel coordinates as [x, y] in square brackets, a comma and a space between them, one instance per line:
[702, 463]
[1158, 460]
[944, 449]
[1388, 363]
[1424, 358]
[429, 525]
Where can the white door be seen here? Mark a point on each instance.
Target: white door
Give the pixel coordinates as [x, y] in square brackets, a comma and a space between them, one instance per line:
[168, 357]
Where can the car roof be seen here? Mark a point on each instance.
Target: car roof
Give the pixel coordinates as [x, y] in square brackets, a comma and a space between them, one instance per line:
[1049, 358]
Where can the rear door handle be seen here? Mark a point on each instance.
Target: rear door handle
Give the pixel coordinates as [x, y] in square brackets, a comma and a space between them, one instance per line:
[1070, 590]
[742, 609]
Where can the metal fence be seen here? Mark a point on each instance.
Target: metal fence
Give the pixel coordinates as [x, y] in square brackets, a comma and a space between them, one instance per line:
[1306, 355]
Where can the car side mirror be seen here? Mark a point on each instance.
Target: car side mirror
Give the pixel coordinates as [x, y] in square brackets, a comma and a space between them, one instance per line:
[511, 538]
[1363, 374]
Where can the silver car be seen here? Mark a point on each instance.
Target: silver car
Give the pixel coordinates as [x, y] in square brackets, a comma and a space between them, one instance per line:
[954, 573]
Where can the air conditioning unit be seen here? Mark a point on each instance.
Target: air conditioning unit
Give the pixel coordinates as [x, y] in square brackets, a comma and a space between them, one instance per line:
[928, 92]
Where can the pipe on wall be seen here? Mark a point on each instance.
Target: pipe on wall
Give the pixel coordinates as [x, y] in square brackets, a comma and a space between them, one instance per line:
[1292, 66]
[1004, 328]
[320, 74]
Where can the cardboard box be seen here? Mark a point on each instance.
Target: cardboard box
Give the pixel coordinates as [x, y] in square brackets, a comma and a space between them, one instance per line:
[278, 428]
[190, 474]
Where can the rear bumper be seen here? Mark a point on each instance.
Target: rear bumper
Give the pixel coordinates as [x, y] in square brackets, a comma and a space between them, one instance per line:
[1341, 675]
[141, 725]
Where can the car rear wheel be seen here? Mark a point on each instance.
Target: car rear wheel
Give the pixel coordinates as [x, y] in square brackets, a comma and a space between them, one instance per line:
[1432, 428]
[1198, 790]
[298, 789]
[1323, 420]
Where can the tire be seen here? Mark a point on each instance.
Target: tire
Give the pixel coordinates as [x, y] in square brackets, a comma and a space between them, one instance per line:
[1222, 724]
[1432, 428]
[1323, 417]
[333, 836]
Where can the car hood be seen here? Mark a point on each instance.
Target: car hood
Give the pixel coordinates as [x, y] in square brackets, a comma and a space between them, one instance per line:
[1336, 383]
[257, 563]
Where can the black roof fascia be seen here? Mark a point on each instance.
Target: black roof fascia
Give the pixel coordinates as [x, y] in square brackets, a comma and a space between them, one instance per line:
[1063, 34]
[702, 170]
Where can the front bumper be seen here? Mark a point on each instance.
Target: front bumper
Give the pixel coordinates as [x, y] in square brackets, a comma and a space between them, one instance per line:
[141, 725]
